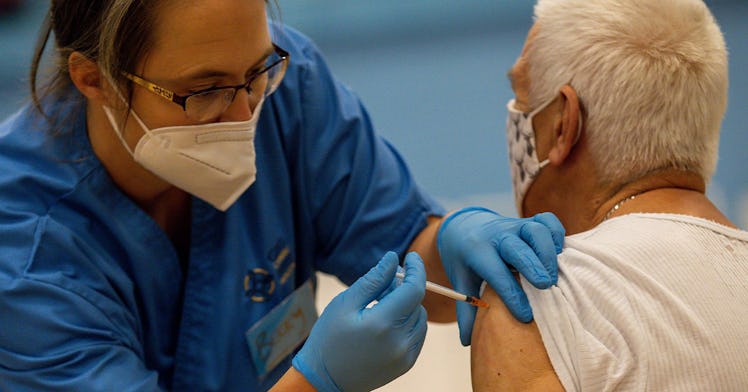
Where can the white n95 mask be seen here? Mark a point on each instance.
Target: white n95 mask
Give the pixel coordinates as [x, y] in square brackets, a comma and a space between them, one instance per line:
[214, 162]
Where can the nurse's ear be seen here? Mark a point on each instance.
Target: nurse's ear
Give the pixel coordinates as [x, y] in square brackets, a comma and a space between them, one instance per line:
[86, 76]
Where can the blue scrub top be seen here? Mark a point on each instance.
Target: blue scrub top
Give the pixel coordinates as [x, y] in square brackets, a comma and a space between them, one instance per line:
[92, 295]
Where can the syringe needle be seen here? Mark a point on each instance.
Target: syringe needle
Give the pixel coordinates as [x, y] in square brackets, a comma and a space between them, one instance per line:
[447, 292]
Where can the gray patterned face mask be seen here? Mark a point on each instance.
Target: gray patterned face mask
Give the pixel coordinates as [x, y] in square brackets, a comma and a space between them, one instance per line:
[523, 157]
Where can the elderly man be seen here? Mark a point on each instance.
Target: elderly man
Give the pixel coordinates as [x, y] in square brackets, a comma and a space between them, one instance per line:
[615, 129]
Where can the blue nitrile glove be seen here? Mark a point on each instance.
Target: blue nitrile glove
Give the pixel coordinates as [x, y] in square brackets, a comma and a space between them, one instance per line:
[477, 244]
[354, 348]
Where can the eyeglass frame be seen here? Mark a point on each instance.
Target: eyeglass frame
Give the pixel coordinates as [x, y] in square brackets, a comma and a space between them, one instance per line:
[181, 100]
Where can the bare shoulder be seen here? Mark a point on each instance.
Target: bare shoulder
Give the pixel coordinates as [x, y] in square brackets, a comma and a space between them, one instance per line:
[507, 354]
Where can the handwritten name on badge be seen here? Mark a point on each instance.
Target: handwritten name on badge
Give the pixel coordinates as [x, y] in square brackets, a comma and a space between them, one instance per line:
[276, 335]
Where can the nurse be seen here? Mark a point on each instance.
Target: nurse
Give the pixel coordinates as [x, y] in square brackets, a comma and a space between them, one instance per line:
[169, 195]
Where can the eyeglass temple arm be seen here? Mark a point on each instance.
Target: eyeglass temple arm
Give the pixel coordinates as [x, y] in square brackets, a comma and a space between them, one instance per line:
[155, 89]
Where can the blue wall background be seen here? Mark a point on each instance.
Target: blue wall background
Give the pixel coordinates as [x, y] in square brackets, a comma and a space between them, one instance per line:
[432, 74]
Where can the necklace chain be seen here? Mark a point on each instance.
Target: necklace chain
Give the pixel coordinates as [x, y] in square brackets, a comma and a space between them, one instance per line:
[618, 205]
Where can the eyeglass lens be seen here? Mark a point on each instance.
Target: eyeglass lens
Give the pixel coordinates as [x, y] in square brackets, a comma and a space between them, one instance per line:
[211, 104]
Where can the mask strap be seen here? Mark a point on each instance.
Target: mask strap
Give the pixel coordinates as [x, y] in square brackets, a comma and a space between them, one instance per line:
[545, 105]
[137, 118]
[541, 107]
[117, 129]
[141, 123]
[545, 162]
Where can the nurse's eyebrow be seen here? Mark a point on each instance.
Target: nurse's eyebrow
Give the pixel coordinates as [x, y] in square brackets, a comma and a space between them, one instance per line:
[214, 73]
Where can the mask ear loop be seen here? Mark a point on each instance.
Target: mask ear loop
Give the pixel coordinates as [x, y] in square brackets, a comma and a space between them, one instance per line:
[117, 130]
[530, 117]
[545, 104]
[576, 140]
[579, 127]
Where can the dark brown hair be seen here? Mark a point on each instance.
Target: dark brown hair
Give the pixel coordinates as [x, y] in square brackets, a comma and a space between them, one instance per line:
[115, 34]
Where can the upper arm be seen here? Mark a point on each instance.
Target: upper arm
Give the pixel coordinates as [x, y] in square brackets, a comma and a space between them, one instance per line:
[58, 333]
[54, 339]
[507, 354]
[356, 188]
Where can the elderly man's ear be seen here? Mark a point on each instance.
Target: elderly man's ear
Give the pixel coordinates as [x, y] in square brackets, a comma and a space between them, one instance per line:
[568, 131]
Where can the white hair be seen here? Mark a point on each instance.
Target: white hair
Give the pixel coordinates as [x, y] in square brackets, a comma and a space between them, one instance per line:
[650, 74]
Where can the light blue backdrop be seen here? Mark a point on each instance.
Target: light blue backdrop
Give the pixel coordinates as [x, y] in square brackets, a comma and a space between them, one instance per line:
[432, 74]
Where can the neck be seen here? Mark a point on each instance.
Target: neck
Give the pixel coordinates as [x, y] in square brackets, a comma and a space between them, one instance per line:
[667, 191]
[135, 181]
[159, 199]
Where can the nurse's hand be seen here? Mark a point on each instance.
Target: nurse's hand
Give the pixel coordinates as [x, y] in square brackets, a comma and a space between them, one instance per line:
[355, 348]
[477, 244]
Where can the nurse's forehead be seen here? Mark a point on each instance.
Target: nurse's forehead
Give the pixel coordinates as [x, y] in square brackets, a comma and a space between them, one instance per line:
[219, 34]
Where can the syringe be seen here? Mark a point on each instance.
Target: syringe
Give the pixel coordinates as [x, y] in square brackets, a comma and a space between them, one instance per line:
[447, 292]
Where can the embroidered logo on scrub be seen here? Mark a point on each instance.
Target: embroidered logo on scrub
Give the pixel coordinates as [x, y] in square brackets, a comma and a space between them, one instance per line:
[282, 259]
[259, 284]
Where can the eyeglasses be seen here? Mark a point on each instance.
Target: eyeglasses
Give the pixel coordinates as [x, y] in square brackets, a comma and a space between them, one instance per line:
[210, 103]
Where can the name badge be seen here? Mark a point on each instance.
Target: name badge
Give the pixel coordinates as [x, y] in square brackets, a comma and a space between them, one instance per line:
[280, 332]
